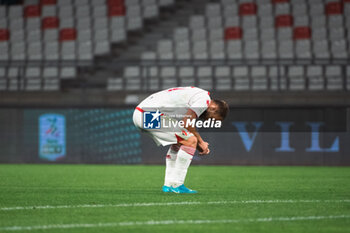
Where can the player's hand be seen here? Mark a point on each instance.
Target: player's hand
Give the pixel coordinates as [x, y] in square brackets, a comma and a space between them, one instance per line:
[203, 148]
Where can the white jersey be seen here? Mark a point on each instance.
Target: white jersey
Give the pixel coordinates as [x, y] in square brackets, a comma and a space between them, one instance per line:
[174, 99]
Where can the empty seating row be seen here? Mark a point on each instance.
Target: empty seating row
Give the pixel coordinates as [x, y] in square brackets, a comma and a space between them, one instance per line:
[33, 72]
[82, 23]
[268, 21]
[69, 17]
[29, 85]
[53, 51]
[249, 49]
[267, 7]
[30, 9]
[259, 78]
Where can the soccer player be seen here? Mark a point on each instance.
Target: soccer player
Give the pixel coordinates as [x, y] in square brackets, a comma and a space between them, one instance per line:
[176, 104]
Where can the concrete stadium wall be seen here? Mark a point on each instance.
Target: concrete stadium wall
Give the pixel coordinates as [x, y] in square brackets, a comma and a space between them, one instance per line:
[250, 136]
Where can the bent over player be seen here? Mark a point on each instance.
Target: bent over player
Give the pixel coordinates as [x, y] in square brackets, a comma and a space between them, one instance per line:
[185, 104]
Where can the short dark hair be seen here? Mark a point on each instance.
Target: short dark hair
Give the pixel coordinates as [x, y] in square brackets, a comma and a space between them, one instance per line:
[223, 108]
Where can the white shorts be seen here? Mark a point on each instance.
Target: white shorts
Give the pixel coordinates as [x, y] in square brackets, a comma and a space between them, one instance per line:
[161, 136]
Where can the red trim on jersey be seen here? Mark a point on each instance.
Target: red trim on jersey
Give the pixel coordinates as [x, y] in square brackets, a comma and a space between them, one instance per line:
[176, 88]
[208, 102]
[179, 139]
[140, 109]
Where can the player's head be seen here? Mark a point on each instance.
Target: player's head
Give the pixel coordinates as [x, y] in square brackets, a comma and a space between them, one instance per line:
[217, 109]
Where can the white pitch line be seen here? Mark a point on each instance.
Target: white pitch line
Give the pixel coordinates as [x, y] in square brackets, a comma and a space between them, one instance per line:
[170, 222]
[168, 204]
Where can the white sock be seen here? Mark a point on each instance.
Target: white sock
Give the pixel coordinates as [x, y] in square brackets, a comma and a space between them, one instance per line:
[183, 161]
[170, 163]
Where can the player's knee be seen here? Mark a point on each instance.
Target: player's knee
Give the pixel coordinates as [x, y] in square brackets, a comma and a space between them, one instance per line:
[192, 142]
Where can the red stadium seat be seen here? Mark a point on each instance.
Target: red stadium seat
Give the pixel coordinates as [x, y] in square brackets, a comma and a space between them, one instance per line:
[115, 2]
[48, 2]
[334, 8]
[68, 34]
[279, 1]
[233, 33]
[301, 33]
[32, 11]
[4, 34]
[284, 21]
[116, 11]
[247, 9]
[50, 22]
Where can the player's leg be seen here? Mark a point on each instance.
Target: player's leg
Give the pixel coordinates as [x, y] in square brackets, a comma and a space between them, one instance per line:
[170, 165]
[188, 144]
[183, 161]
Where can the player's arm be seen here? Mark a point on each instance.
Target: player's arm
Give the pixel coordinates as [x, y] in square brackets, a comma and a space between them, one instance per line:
[202, 145]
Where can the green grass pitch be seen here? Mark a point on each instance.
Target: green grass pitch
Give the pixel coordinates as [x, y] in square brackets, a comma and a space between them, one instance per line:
[108, 198]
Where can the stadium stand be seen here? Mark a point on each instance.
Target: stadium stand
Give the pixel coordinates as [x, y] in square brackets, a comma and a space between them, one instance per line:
[64, 30]
[305, 31]
[228, 45]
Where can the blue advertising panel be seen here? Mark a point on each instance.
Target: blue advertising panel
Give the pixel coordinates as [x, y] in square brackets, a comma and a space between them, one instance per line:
[249, 136]
[52, 137]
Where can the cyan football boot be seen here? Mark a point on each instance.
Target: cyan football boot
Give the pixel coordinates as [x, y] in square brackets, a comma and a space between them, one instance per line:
[166, 189]
[183, 189]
